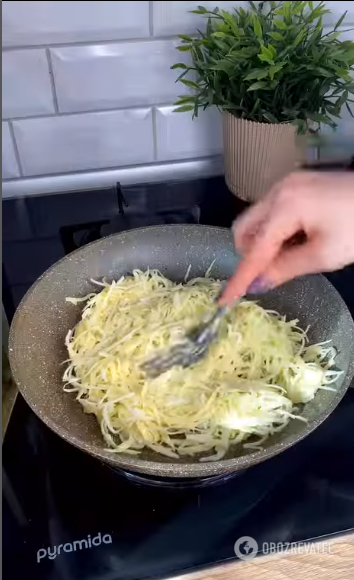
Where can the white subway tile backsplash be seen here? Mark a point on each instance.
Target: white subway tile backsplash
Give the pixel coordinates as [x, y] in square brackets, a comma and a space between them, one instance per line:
[337, 9]
[87, 141]
[346, 33]
[181, 137]
[338, 143]
[109, 56]
[116, 75]
[176, 18]
[9, 163]
[43, 22]
[26, 88]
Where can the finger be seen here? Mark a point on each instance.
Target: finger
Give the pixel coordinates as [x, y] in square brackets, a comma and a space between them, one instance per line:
[296, 261]
[246, 227]
[282, 224]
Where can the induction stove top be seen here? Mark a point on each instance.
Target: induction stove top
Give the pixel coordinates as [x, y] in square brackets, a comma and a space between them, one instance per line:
[67, 516]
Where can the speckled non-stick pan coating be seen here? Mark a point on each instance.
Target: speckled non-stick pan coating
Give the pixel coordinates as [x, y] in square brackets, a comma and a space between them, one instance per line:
[43, 319]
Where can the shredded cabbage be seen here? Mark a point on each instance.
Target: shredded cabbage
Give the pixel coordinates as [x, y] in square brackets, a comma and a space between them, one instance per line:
[243, 391]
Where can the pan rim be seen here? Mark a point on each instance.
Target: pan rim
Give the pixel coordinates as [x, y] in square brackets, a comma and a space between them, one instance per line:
[178, 469]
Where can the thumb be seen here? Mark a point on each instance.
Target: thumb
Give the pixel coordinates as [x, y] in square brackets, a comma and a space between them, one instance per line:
[295, 261]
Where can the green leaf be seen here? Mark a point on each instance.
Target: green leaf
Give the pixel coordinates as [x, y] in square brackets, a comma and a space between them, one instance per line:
[184, 47]
[255, 106]
[234, 108]
[223, 65]
[332, 36]
[231, 21]
[258, 73]
[343, 73]
[270, 117]
[280, 24]
[200, 10]
[185, 38]
[346, 55]
[349, 109]
[256, 86]
[184, 99]
[318, 118]
[339, 22]
[298, 7]
[299, 37]
[274, 69]
[209, 28]
[220, 34]
[265, 58]
[320, 71]
[333, 111]
[257, 27]
[276, 36]
[301, 125]
[182, 75]
[272, 50]
[342, 99]
[266, 52]
[190, 84]
[179, 65]
[183, 108]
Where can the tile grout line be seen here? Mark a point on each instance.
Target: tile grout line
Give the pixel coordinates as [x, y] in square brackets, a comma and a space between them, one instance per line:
[52, 81]
[151, 18]
[73, 43]
[132, 166]
[89, 111]
[78, 43]
[154, 132]
[17, 153]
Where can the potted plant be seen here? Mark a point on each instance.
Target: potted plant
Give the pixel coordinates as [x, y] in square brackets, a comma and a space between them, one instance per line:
[274, 72]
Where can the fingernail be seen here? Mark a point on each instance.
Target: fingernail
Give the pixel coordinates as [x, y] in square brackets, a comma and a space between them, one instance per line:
[259, 286]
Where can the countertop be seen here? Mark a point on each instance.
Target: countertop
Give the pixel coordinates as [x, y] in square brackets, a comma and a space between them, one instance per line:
[338, 565]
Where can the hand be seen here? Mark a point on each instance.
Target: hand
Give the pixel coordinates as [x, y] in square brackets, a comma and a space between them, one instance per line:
[321, 206]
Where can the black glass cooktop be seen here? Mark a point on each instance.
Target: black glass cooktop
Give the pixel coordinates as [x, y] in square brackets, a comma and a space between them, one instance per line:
[69, 517]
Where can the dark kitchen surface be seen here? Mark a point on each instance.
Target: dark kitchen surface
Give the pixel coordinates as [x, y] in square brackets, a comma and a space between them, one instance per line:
[55, 495]
[69, 517]
[37, 231]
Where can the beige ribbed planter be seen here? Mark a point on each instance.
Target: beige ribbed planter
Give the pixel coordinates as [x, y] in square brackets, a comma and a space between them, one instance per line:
[257, 155]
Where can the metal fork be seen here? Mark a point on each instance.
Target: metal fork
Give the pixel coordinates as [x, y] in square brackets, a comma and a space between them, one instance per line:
[193, 348]
[198, 340]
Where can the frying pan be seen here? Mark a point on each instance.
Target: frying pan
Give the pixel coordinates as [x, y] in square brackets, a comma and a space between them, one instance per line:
[44, 318]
